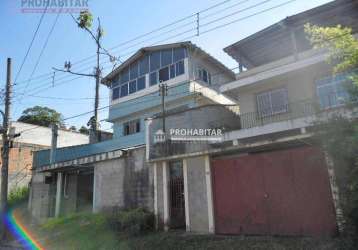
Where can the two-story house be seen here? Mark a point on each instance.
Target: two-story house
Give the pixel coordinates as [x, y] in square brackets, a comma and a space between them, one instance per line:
[114, 174]
[266, 176]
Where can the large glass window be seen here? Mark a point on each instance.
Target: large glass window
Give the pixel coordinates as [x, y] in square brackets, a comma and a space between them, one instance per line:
[272, 102]
[332, 91]
[161, 66]
[164, 74]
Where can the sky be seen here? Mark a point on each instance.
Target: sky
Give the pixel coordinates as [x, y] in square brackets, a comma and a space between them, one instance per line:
[122, 21]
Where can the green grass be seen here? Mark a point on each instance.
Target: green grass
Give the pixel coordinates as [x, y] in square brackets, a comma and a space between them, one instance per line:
[92, 231]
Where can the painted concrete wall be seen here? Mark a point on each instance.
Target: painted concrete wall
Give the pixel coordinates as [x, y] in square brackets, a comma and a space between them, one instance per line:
[123, 183]
[34, 134]
[197, 198]
[218, 77]
[300, 86]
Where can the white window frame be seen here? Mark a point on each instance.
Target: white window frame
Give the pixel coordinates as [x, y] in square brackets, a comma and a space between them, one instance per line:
[264, 113]
[134, 124]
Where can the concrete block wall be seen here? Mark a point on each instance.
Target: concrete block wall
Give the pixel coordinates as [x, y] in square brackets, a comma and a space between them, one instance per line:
[39, 200]
[126, 182]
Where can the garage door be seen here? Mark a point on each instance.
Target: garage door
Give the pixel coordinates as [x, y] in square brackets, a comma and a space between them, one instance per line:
[282, 192]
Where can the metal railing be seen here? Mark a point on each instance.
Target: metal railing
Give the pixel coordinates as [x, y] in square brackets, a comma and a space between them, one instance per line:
[280, 113]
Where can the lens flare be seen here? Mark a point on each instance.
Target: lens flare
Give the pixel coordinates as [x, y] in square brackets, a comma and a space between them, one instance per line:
[20, 232]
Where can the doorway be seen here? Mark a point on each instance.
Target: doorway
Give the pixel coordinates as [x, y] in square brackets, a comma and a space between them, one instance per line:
[176, 195]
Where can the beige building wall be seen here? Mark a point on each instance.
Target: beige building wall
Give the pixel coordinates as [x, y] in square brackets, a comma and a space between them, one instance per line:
[300, 87]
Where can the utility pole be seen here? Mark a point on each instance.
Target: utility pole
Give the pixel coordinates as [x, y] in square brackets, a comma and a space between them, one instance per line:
[163, 92]
[85, 22]
[5, 147]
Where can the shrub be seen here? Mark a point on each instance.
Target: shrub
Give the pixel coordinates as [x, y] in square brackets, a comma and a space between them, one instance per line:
[132, 221]
[18, 195]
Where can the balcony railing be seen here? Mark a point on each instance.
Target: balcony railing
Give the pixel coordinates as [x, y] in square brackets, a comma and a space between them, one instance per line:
[279, 113]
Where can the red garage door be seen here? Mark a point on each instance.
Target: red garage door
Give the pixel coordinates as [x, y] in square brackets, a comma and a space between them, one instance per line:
[282, 192]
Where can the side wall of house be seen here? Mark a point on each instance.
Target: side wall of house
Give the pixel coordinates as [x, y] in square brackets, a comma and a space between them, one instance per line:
[126, 182]
[197, 61]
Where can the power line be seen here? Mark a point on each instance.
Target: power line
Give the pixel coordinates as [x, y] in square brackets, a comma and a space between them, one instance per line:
[31, 43]
[41, 54]
[148, 33]
[220, 26]
[174, 36]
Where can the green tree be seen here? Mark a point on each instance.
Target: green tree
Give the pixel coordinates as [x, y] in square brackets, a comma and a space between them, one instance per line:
[339, 135]
[84, 130]
[42, 116]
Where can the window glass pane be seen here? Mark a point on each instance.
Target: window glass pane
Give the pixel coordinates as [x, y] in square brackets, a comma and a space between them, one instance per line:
[144, 65]
[327, 96]
[125, 75]
[131, 127]
[279, 101]
[180, 68]
[200, 74]
[164, 74]
[205, 76]
[141, 83]
[178, 54]
[132, 86]
[153, 79]
[114, 84]
[155, 61]
[172, 71]
[209, 78]
[133, 71]
[115, 94]
[264, 104]
[126, 129]
[124, 90]
[166, 56]
[137, 126]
